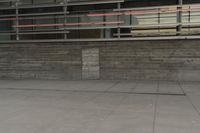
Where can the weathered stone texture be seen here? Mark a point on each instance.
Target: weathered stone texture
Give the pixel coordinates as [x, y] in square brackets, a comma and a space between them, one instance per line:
[149, 60]
[90, 63]
[40, 61]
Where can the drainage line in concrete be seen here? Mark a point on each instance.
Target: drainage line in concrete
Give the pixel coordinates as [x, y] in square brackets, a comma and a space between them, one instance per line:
[190, 100]
[155, 109]
[90, 91]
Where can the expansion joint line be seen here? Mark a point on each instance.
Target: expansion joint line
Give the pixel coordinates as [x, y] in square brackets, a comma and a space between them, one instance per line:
[190, 100]
[135, 86]
[155, 108]
[183, 91]
[115, 84]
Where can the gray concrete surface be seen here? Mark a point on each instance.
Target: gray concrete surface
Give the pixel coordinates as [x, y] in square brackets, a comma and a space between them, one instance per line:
[36, 106]
[172, 60]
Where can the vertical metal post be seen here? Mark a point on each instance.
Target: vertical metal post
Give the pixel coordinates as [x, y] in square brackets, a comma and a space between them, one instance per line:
[65, 17]
[189, 19]
[104, 30]
[159, 20]
[17, 19]
[179, 17]
[118, 19]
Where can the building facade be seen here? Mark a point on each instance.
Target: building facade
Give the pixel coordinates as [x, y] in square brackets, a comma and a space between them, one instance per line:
[100, 19]
[100, 39]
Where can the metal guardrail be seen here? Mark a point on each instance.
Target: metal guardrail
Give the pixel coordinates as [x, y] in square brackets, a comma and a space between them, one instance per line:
[27, 22]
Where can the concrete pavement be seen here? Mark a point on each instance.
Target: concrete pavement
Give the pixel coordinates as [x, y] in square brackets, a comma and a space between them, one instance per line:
[45, 106]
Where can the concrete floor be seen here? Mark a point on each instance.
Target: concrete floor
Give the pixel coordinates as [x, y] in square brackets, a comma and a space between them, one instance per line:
[99, 107]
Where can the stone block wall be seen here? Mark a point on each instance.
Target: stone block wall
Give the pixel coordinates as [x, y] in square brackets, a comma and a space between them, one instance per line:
[40, 61]
[146, 60]
[90, 63]
[151, 60]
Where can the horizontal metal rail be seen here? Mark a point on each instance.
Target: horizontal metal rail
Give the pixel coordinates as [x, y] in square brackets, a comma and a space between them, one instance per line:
[97, 27]
[36, 33]
[147, 27]
[6, 1]
[94, 2]
[105, 39]
[60, 4]
[147, 12]
[68, 24]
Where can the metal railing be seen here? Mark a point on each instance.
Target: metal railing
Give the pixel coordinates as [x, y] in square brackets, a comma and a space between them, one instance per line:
[56, 22]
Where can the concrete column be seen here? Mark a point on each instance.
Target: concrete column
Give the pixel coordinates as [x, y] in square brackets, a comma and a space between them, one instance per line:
[90, 63]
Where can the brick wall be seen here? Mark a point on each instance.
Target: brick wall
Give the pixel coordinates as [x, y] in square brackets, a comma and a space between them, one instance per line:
[149, 60]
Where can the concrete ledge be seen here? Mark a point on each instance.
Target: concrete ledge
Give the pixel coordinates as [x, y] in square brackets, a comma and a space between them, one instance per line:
[106, 40]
